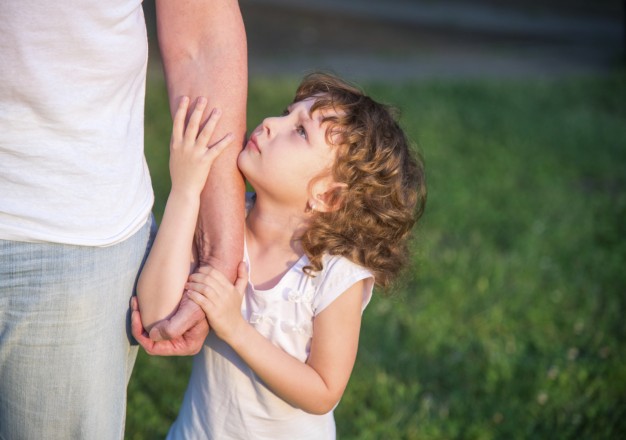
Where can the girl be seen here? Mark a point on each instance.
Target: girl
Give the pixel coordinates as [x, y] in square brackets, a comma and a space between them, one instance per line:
[337, 193]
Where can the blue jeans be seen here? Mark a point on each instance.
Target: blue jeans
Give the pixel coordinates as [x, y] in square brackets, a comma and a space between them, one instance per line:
[65, 346]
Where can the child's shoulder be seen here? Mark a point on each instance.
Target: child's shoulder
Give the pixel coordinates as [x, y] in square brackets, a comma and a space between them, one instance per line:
[334, 265]
[338, 274]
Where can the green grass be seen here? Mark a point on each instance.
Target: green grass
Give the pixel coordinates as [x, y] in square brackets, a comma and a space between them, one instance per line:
[510, 324]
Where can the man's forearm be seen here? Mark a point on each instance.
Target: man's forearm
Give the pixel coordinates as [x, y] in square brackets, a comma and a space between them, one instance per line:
[219, 235]
[204, 53]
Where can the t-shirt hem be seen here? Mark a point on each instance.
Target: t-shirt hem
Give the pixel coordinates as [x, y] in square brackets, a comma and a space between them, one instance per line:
[128, 232]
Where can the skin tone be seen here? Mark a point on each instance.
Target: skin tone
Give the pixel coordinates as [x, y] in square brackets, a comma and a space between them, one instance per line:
[314, 386]
[191, 157]
[287, 160]
[193, 34]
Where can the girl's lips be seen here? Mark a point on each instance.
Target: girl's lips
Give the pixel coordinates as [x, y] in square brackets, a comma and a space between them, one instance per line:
[253, 144]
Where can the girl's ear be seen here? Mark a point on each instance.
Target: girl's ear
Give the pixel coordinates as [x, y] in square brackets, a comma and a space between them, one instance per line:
[326, 195]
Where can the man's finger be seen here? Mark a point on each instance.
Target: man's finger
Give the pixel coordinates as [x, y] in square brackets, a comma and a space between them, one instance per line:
[187, 315]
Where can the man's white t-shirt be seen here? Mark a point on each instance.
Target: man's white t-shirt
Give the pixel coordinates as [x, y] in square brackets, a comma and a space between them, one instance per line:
[72, 86]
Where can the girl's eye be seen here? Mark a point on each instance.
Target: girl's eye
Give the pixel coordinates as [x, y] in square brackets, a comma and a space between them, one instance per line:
[285, 112]
[301, 131]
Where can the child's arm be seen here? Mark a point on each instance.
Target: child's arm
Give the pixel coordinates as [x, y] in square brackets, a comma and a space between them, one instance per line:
[203, 50]
[163, 277]
[315, 386]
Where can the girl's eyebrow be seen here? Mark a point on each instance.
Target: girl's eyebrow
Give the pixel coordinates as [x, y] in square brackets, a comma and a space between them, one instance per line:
[290, 108]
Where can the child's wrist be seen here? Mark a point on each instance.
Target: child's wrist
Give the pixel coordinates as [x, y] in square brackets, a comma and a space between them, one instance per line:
[185, 192]
[238, 334]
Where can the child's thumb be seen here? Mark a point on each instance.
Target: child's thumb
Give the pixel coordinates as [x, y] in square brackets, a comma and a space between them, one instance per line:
[242, 277]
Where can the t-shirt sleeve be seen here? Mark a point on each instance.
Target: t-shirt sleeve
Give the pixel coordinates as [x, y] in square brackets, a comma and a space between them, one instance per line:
[338, 275]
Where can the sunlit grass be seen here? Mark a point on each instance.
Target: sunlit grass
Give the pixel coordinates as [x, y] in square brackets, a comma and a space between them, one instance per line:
[510, 323]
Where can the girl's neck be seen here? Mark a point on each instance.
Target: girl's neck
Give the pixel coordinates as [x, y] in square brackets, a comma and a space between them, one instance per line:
[271, 226]
[272, 241]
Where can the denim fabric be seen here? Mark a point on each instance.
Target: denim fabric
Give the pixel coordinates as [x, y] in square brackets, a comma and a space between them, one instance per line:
[65, 346]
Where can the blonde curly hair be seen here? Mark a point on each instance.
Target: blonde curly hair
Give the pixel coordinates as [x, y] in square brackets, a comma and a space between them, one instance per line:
[383, 186]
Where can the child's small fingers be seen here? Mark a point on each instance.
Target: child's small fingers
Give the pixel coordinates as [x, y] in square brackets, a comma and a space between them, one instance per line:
[210, 274]
[199, 299]
[194, 120]
[179, 117]
[209, 127]
[208, 288]
[199, 286]
[211, 122]
[199, 277]
[216, 149]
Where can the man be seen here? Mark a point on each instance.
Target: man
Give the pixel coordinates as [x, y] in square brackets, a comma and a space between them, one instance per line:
[75, 197]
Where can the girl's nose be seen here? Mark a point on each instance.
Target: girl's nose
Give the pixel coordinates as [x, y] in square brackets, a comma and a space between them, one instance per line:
[269, 125]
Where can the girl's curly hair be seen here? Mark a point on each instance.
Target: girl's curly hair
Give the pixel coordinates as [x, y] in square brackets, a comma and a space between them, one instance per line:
[383, 191]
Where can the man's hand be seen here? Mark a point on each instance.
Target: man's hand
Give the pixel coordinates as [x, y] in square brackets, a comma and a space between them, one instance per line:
[187, 316]
[186, 340]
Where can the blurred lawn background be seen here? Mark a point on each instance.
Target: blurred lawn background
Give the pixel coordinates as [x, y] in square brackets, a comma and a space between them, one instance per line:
[510, 324]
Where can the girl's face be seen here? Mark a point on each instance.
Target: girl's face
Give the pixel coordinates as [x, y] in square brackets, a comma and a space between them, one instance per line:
[286, 152]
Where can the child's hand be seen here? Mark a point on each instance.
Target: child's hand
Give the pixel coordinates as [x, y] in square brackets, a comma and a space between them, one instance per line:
[220, 300]
[190, 155]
